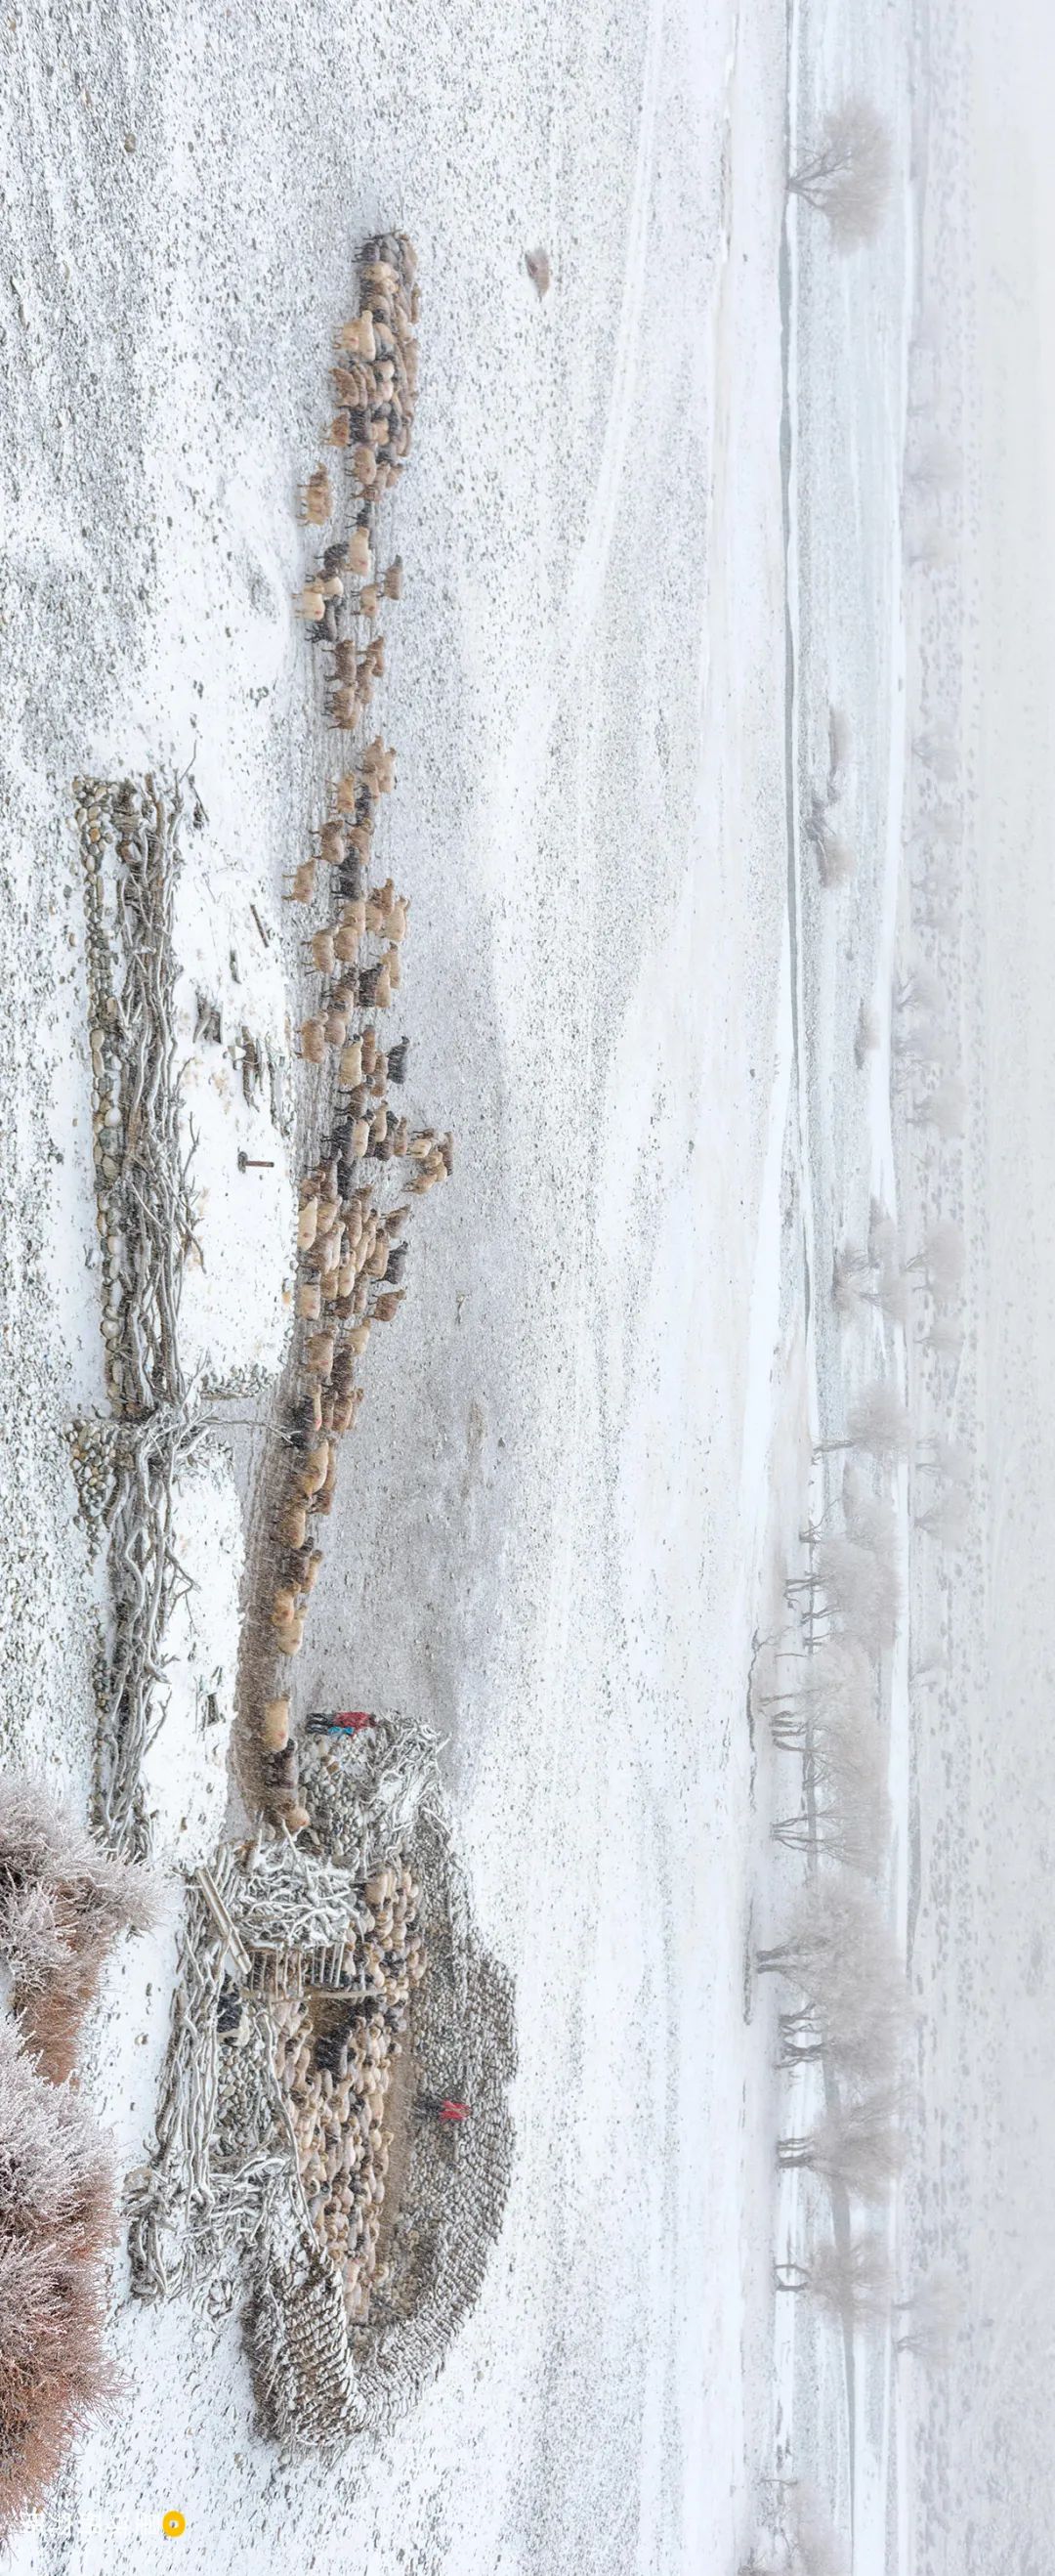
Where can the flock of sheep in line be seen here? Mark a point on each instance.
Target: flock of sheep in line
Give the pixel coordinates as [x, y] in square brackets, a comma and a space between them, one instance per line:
[336, 2053]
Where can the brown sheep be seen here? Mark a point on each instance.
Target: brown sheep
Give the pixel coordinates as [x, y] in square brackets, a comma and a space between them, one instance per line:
[386, 1307]
[293, 1524]
[350, 1069]
[274, 1728]
[309, 1299]
[323, 951]
[303, 886]
[393, 581]
[317, 498]
[313, 1041]
[369, 600]
[345, 792]
[318, 1354]
[333, 844]
[347, 942]
[307, 1224]
[359, 554]
[336, 1028]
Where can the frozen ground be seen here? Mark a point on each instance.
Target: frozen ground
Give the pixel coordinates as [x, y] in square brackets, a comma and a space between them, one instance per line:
[554, 1533]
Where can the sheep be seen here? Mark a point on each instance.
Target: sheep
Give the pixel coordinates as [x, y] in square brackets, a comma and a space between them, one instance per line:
[318, 1354]
[323, 950]
[293, 1523]
[312, 1041]
[397, 919]
[392, 584]
[395, 1265]
[370, 1049]
[307, 1224]
[275, 1725]
[333, 846]
[359, 553]
[308, 1300]
[397, 1061]
[336, 1028]
[392, 967]
[369, 600]
[421, 1145]
[290, 1639]
[364, 465]
[359, 1337]
[350, 1068]
[350, 387]
[347, 942]
[303, 886]
[312, 1474]
[359, 1141]
[386, 1307]
[316, 499]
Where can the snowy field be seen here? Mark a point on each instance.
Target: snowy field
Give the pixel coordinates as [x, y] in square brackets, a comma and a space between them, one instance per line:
[652, 531]
[553, 1536]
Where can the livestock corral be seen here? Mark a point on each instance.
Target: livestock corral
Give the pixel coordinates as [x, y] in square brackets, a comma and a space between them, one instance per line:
[332, 2133]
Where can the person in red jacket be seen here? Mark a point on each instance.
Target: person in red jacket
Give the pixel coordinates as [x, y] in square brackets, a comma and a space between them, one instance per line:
[339, 1721]
[443, 2107]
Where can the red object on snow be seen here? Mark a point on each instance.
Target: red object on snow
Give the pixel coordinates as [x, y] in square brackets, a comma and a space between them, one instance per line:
[353, 1718]
[454, 2110]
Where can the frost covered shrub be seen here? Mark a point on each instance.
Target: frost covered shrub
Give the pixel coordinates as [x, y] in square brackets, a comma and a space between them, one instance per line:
[63, 1903]
[57, 2202]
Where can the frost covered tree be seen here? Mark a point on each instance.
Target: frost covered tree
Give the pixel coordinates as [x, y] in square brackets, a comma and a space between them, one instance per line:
[847, 175]
[859, 2145]
[952, 1459]
[839, 741]
[935, 550]
[853, 1587]
[940, 753]
[938, 467]
[944, 1109]
[878, 1424]
[949, 1519]
[853, 2280]
[942, 1259]
[934, 2316]
[868, 1033]
[943, 1337]
[921, 990]
[836, 861]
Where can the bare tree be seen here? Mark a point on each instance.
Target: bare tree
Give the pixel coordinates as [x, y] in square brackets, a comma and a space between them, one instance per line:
[934, 2316]
[945, 1109]
[854, 2280]
[847, 176]
[878, 1424]
[860, 2145]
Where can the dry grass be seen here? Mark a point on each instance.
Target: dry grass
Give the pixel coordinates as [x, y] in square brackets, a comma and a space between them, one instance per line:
[57, 2222]
[63, 1903]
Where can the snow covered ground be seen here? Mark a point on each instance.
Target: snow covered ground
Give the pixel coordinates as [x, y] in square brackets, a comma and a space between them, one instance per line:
[553, 1534]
